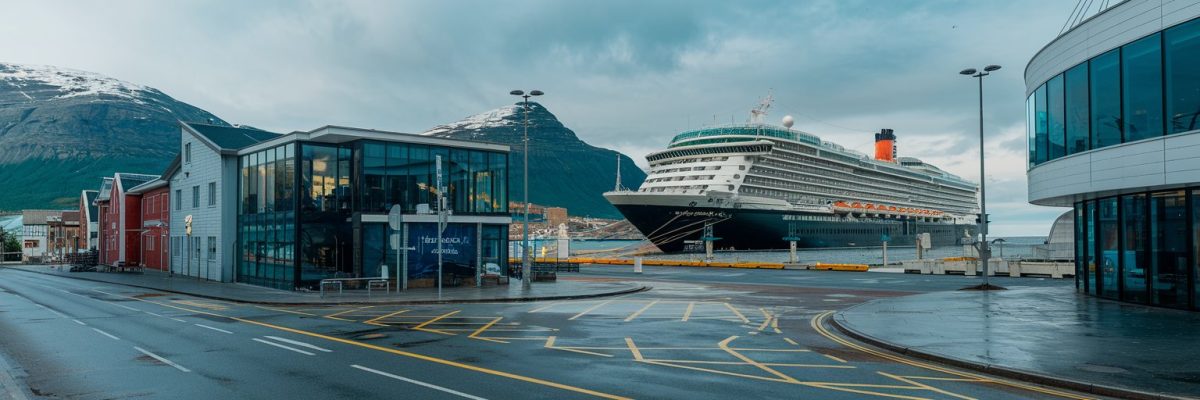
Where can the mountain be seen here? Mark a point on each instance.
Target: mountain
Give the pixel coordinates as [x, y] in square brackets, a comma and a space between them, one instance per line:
[564, 171]
[61, 130]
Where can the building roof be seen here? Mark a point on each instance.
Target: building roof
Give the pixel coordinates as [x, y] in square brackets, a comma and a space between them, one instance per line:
[89, 197]
[228, 137]
[39, 217]
[11, 223]
[105, 190]
[130, 181]
[70, 216]
[148, 186]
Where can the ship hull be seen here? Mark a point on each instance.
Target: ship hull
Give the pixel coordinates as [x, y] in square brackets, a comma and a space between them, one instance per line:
[675, 228]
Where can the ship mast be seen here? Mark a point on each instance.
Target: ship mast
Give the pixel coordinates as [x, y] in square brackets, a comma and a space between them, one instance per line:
[617, 188]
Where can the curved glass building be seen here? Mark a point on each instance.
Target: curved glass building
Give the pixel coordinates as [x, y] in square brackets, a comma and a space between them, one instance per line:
[1113, 114]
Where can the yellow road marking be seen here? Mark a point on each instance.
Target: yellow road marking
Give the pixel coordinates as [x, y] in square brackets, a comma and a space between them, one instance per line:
[404, 353]
[834, 358]
[789, 340]
[930, 378]
[589, 309]
[374, 321]
[743, 363]
[766, 319]
[738, 313]
[639, 312]
[287, 311]
[422, 328]
[842, 388]
[637, 354]
[550, 345]
[336, 314]
[715, 371]
[724, 345]
[688, 313]
[775, 325]
[816, 324]
[475, 335]
[924, 386]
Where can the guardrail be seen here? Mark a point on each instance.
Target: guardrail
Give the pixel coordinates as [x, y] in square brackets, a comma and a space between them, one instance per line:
[372, 283]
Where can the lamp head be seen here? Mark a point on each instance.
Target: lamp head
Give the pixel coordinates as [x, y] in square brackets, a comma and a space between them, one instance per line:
[517, 93]
[991, 68]
[968, 71]
[539, 92]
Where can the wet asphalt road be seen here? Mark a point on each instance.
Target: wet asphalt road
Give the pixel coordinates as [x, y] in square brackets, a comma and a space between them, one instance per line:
[699, 333]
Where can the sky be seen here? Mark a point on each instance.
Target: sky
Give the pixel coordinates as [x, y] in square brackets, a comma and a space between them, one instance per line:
[622, 74]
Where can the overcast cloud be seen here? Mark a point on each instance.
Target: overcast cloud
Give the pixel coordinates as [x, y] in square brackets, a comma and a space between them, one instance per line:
[622, 74]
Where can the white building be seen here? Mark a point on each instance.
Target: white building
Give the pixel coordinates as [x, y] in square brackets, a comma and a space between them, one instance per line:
[203, 183]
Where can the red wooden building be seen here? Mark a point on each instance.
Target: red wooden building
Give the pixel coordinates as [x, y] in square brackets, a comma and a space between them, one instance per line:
[121, 220]
[154, 219]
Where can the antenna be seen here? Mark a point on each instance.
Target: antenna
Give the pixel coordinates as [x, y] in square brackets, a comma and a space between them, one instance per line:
[758, 113]
[617, 188]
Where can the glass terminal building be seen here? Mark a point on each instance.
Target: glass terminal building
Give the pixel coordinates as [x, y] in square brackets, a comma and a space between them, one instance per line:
[314, 205]
[1113, 115]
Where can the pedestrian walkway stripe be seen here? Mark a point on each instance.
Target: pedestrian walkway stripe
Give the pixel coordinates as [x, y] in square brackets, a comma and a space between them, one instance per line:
[419, 383]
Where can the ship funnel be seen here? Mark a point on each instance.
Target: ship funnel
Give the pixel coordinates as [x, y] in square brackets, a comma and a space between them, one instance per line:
[885, 145]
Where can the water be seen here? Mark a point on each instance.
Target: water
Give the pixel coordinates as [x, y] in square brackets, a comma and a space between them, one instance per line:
[1013, 247]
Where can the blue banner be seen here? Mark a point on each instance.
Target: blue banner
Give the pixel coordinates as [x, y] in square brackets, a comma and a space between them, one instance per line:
[458, 250]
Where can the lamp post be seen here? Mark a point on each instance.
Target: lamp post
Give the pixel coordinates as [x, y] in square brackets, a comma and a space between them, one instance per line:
[526, 274]
[982, 245]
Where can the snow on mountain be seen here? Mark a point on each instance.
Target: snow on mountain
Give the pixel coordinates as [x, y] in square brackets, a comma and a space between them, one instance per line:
[68, 82]
[490, 119]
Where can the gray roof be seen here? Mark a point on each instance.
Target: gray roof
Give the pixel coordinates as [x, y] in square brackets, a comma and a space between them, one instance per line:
[93, 215]
[148, 186]
[105, 189]
[228, 137]
[38, 217]
[130, 181]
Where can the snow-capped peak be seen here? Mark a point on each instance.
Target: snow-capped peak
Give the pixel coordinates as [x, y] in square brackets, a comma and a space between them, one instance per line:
[487, 119]
[69, 82]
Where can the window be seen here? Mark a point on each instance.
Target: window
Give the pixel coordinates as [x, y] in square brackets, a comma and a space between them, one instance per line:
[1040, 126]
[196, 196]
[1141, 63]
[1168, 249]
[1182, 44]
[1106, 99]
[212, 193]
[196, 248]
[1133, 244]
[212, 248]
[1076, 96]
[149, 242]
[187, 152]
[175, 245]
[1031, 129]
[178, 198]
[1055, 115]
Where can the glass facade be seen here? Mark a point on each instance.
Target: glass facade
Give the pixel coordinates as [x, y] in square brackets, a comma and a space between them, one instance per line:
[302, 207]
[1142, 247]
[1145, 89]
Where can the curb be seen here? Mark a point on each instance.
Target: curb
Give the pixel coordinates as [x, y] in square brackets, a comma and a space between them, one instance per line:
[1002, 371]
[631, 290]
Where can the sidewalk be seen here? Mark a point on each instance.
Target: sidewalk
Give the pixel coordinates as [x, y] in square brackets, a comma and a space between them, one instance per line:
[1051, 336]
[563, 289]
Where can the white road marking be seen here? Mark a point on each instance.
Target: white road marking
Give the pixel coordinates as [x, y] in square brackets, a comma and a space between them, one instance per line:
[156, 315]
[122, 306]
[299, 343]
[215, 329]
[179, 320]
[106, 334]
[163, 360]
[51, 310]
[79, 322]
[282, 346]
[416, 382]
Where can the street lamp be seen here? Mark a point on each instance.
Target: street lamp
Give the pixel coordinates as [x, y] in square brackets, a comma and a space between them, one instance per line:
[985, 251]
[526, 273]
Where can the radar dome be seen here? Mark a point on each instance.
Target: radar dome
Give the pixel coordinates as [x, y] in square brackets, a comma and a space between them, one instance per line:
[788, 121]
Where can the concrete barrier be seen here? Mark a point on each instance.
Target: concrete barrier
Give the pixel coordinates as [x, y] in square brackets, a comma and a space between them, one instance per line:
[1042, 268]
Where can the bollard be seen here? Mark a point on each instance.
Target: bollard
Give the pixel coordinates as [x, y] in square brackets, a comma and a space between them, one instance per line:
[637, 265]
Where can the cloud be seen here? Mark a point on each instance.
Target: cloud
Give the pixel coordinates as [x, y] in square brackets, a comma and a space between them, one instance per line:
[623, 74]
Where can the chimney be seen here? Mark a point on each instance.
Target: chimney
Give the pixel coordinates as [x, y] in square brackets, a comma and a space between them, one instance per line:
[885, 145]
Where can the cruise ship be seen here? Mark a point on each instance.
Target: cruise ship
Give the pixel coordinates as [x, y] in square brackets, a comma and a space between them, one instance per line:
[760, 186]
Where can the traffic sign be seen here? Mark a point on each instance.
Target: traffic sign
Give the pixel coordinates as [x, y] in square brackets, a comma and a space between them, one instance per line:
[394, 239]
[394, 217]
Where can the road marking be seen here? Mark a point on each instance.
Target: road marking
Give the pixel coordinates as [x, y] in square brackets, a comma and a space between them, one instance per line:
[688, 313]
[475, 335]
[543, 308]
[287, 311]
[421, 327]
[336, 314]
[589, 309]
[724, 345]
[52, 310]
[738, 313]
[156, 315]
[834, 358]
[283, 347]
[775, 325]
[816, 322]
[106, 334]
[79, 322]
[301, 344]
[639, 312]
[162, 359]
[179, 320]
[550, 345]
[766, 319]
[637, 354]
[372, 320]
[416, 382]
[403, 353]
[924, 386]
[215, 329]
[789, 340]
[743, 363]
